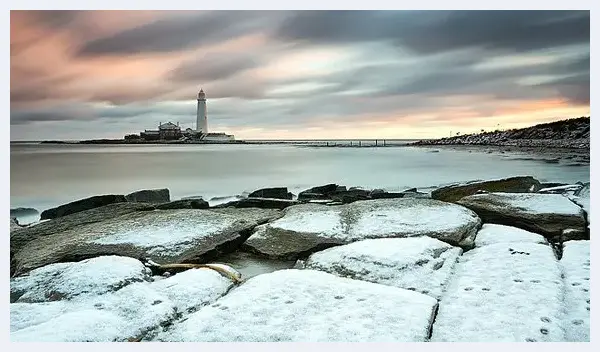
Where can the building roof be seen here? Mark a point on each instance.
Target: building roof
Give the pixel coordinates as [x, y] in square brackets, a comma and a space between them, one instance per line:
[168, 126]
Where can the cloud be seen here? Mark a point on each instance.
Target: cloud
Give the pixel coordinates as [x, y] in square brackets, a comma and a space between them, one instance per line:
[214, 66]
[183, 31]
[293, 71]
[428, 32]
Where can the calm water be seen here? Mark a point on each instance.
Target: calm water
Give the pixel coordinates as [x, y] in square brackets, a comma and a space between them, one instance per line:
[44, 176]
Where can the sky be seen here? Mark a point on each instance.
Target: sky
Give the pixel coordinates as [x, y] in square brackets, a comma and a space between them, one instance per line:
[296, 74]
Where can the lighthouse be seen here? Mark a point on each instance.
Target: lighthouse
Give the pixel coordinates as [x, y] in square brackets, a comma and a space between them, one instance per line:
[201, 118]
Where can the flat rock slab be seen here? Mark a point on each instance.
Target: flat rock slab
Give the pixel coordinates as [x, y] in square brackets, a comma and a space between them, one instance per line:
[106, 314]
[88, 277]
[420, 264]
[309, 227]
[546, 214]
[309, 306]
[519, 184]
[503, 292]
[494, 233]
[576, 267]
[165, 236]
[20, 237]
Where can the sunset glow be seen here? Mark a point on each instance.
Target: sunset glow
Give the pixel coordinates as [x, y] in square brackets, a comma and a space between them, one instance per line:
[296, 75]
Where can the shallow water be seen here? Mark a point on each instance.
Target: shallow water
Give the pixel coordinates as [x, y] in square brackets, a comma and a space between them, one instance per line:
[250, 265]
[44, 175]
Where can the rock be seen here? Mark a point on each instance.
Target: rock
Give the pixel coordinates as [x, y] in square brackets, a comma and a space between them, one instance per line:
[17, 212]
[583, 192]
[410, 190]
[420, 264]
[546, 214]
[320, 192]
[67, 280]
[493, 233]
[552, 184]
[521, 184]
[156, 196]
[81, 205]
[165, 236]
[306, 228]
[14, 224]
[349, 196]
[418, 195]
[309, 306]
[129, 313]
[277, 193]
[576, 267]
[20, 237]
[503, 292]
[262, 203]
[184, 204]
[386, 195]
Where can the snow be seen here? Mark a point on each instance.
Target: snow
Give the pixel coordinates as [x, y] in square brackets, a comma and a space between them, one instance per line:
[574, 187]
[80, 326]
[503, 292]
[429, 217]
[128, 312]
[24, 315]
[535, 203]
[88, 277]
[304, 227]
[170, 234]
[420, 264]
[192, 288]
[309, 306]
[311, 218]
[492, 234]
[576, 267]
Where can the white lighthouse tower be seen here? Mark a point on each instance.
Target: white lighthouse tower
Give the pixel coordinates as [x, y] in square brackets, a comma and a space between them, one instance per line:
[201, 116]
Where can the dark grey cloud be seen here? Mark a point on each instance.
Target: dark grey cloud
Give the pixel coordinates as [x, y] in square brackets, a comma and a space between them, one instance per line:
[180, 32]
[428, 32]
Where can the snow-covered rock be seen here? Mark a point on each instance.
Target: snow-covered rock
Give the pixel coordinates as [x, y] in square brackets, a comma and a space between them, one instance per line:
[169, 236]
[192, 288]
[503, 292]
[66, 280]
[546, 214]
[421, 264]
[576, 267]
[518, 184]
[103, 311]
[308, 227]
[493, 233]
[127, 313]
[309, 306]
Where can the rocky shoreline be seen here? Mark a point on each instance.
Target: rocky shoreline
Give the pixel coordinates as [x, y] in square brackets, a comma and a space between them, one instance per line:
[564, 134]
[496, 260]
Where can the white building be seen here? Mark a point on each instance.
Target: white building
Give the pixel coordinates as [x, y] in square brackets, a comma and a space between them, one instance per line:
[202, 123]
[201, 113]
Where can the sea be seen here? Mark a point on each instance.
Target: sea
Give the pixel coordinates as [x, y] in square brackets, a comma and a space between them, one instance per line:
[48, 175]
